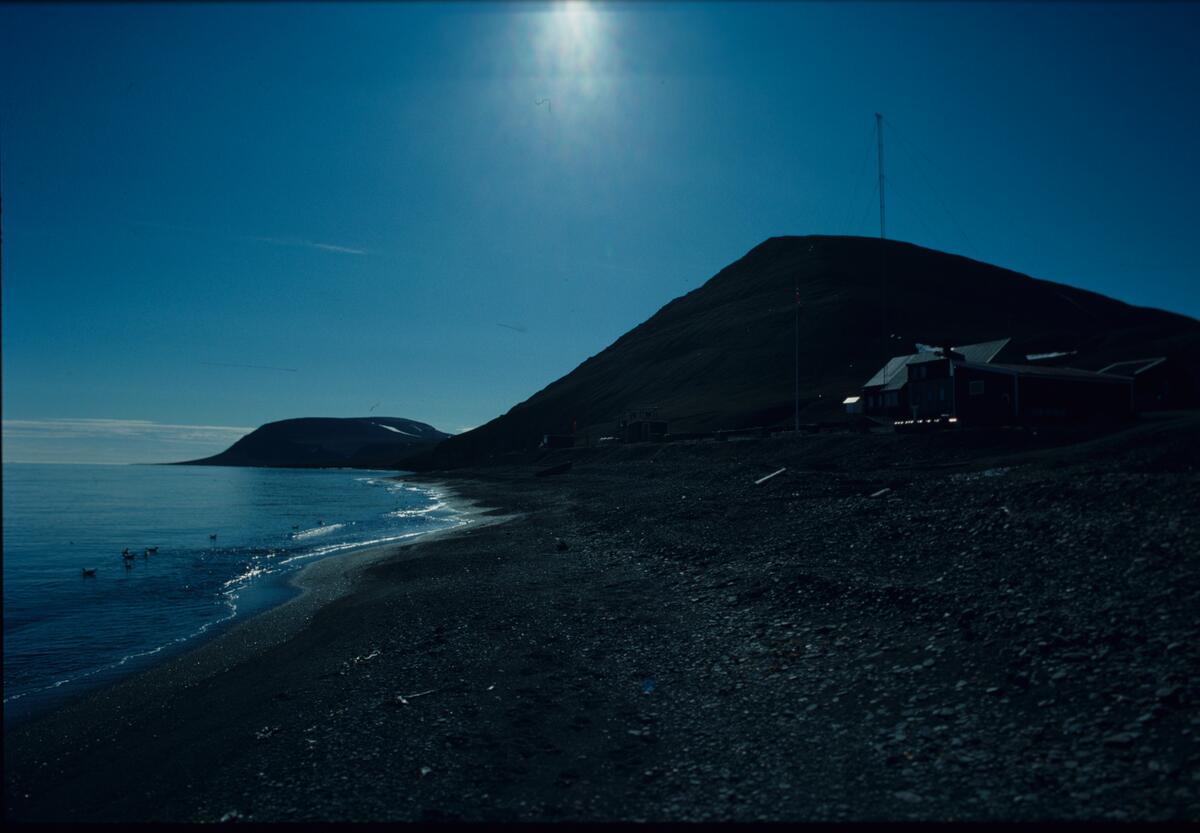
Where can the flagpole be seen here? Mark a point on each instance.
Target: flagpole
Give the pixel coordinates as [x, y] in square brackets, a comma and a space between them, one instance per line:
[796, 413]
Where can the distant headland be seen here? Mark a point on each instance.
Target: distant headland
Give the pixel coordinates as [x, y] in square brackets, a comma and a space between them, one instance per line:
[327, 442]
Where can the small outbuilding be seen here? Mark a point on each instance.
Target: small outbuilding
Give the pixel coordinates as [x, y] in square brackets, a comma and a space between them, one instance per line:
[1008, 394]
[646, 430]
[642, 425]
[1158, 383]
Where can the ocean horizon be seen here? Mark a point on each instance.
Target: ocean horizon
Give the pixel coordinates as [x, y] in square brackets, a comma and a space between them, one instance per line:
[67, 633]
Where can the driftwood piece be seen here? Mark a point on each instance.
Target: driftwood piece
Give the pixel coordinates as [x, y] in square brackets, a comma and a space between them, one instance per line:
[762, 480]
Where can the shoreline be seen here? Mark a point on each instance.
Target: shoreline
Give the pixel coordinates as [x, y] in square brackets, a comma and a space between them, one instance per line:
[317, 584]
[311, 578]
[662, 638]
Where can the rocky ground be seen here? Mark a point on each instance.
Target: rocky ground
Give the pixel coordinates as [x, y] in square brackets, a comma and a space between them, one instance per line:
[959, 626]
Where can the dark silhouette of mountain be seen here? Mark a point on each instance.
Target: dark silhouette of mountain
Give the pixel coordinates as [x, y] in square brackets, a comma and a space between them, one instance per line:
[721, 356]
[324, 442]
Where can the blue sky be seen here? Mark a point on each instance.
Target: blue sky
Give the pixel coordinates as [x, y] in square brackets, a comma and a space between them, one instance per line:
[216, 216]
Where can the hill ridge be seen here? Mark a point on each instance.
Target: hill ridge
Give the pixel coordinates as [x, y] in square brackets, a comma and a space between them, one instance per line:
[327, 442]
[721, 355]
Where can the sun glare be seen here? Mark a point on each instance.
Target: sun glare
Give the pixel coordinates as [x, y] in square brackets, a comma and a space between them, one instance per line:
[576, 14]
[572, 38]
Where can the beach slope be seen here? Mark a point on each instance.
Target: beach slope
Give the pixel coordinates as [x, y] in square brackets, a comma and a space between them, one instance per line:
[963, 626]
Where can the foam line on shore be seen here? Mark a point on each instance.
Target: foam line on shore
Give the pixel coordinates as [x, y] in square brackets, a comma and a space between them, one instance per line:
[469, 515]
[319, 584]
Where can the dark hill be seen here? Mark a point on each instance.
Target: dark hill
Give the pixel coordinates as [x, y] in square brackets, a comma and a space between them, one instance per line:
[721, 356]
[316, 442]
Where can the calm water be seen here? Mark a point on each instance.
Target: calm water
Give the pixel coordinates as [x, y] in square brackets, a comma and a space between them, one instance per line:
[65, 633]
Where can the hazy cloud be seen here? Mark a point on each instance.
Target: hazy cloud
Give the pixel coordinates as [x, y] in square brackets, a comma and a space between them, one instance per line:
[112, 440]
[329, 247]
[309, 244]
[115, 427]
[274, 241]
[253, 366]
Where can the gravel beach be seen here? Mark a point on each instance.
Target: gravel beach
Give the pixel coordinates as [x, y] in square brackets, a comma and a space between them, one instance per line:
[960, 626]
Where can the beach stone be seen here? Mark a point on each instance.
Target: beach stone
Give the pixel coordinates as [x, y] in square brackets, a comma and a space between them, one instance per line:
[587, 637]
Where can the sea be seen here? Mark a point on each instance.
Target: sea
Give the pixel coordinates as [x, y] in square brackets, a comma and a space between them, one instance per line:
[208, 547]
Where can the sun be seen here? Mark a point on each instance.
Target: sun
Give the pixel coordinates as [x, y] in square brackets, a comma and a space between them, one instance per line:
[576, 16]
[572, 38]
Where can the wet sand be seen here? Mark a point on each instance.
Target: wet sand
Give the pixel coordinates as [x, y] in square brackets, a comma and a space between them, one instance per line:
[1000, 635]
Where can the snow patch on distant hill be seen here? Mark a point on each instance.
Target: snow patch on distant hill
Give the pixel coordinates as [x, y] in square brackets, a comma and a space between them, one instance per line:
[397, 430]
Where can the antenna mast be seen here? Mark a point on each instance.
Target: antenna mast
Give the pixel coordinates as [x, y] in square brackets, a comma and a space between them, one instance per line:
[882, 233]
[879, 134]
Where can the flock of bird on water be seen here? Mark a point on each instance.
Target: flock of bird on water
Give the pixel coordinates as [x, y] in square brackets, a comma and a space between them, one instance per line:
[127, 556]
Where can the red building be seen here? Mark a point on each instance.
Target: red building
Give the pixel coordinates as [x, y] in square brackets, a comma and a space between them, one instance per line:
[966, 385]
[887, 394]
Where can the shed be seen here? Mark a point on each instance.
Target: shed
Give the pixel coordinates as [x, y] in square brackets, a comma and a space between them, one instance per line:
[645, 430]
[641, 424]
[1005, 394]
[1158, 383]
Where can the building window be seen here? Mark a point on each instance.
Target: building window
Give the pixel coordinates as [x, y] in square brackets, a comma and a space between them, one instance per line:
[977, 387]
